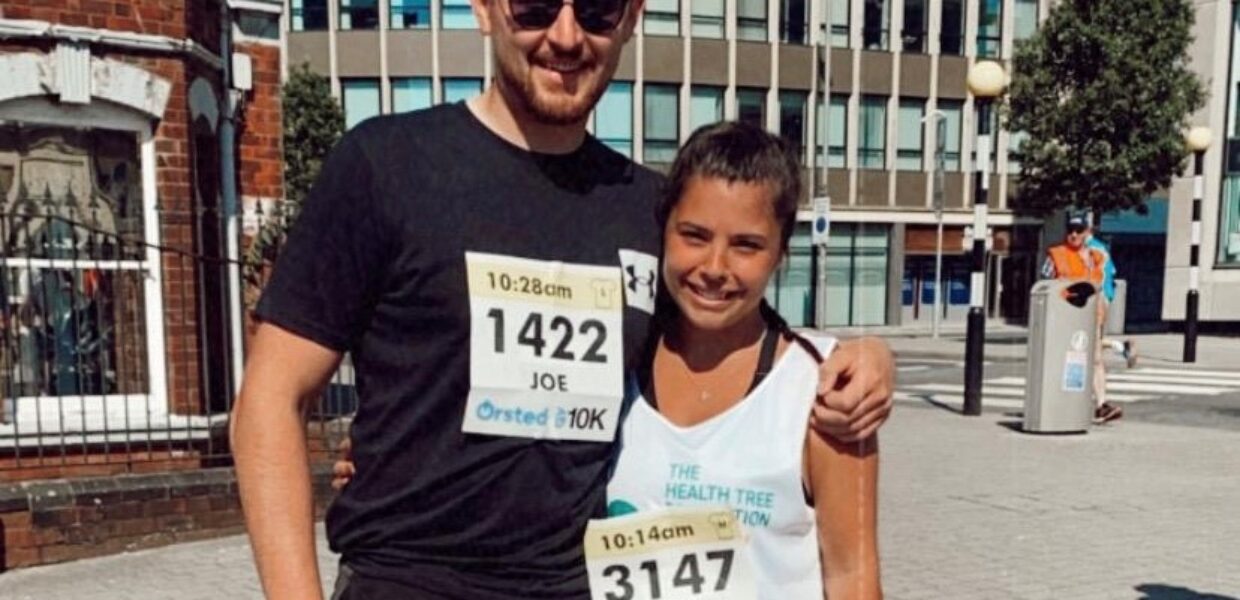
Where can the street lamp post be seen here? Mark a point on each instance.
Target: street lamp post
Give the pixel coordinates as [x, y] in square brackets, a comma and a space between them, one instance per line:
[986, 82]
[1198, 140]
[940, 121]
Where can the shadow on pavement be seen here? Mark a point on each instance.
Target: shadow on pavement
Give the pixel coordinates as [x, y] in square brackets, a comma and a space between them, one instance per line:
[1160, 591]
[1017, 426]
[929, 399]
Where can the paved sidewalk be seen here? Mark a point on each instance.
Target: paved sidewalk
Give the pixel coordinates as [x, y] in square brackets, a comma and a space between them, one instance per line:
[969, 510]
[1007, 343]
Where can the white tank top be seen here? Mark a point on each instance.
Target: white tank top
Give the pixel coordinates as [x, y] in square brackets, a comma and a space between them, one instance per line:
[748, 458]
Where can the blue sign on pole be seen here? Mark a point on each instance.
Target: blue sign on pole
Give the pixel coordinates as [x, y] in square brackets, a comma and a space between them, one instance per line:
[821, 230]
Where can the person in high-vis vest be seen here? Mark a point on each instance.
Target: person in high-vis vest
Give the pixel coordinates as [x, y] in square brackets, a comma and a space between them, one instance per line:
[1074, 260]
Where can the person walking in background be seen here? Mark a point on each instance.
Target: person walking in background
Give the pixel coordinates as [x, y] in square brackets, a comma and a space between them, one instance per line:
[1124, 348]
[1074, 260]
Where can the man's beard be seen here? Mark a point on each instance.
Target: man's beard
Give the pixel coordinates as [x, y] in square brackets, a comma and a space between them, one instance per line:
[558, 109]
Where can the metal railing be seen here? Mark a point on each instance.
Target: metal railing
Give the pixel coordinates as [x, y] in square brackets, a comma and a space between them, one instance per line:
[116, 351]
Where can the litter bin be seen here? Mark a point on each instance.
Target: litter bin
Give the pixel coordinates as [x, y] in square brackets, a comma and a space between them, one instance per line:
[1118, 310]
[1058, 384]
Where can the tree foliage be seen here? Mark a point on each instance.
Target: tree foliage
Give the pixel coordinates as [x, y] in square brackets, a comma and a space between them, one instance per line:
[1104, 92]
[313, 123]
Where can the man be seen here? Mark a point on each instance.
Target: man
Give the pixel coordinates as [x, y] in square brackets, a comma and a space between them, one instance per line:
[492, 271]
[1074, 260]
[1124, 348]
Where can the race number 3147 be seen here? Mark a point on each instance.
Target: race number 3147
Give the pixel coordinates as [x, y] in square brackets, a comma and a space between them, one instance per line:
[671, 554]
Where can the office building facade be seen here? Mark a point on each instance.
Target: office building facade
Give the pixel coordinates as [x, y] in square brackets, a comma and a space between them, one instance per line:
[871, 92]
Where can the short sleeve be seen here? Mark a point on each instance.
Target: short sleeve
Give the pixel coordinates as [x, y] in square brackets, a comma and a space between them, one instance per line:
[327, 277]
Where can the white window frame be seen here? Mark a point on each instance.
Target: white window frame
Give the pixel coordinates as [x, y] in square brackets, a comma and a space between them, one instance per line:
[82, 409]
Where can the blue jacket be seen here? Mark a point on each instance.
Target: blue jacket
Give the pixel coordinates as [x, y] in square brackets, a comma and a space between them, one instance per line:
[1108, 269]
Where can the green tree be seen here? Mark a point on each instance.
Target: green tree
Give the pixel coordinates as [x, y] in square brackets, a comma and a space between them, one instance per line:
[1104, 92]
[313, 123]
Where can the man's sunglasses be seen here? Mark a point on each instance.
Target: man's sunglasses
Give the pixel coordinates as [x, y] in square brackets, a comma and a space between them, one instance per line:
[1077, 229]
[594, 16]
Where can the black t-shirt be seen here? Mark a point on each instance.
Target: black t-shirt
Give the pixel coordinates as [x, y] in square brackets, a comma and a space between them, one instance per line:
[376, 266]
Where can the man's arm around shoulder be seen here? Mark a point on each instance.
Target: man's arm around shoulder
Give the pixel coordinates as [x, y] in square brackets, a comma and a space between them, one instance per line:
[855, 385]
[282, 373]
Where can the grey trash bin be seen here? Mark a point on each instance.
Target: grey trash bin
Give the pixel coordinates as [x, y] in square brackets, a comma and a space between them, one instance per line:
[1116, 313]
[1059, 381]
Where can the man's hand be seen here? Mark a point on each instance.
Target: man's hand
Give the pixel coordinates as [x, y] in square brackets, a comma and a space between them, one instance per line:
[855, 384]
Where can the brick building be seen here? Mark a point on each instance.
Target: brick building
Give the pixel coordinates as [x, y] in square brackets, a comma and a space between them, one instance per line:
[131, 133]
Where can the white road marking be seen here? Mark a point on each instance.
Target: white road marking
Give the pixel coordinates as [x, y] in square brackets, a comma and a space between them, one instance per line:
[1168, 389]
[1181, 373]
[1140, 384]
[1009, 391]
[1173, 380]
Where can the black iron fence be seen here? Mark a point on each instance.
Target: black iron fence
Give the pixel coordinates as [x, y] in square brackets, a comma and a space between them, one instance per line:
[118, 351]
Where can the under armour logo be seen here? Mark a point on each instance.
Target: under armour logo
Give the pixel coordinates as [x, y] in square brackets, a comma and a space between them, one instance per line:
[641, 278]
[636, 282]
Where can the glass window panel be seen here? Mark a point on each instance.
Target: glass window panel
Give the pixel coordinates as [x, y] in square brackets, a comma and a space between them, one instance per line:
[840, 17]
[308, 15]
[361, 100]
[613, 118]
[953, 111]
[662, 122]
[751, 20]
[856, 271]
[1026, 17]
[73, 196]
[1015, 140]
[1229, 205]
[460, 89]
[951, 39]
[751, 106]
[457, 14]
[411, 93]
[264, 26]
[410, 14]
[869, 289]
[792, 121]
[910, 134]
[833, 129]
[875, 23]
[913, 37]
[662, 17]
[708, 18]
[705, 106]
[990, 27]
[359, 14]
[794, 21]
[1229, 222]
[789, 290]
[872, 146]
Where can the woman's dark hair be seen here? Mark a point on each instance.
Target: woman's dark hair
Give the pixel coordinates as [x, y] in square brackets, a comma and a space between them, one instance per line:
[735, 151]
[742, 152]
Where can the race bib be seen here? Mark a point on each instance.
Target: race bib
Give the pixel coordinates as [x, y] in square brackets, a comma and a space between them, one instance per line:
[677, 553]
[546, 349]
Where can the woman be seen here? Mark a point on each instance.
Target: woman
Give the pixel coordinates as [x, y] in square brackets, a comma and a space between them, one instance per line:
[719, 418]
[721, 413]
